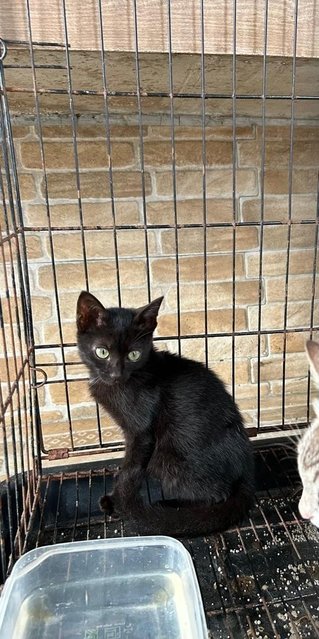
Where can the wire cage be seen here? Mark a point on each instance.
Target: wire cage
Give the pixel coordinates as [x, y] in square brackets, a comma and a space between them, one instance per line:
[160, 154]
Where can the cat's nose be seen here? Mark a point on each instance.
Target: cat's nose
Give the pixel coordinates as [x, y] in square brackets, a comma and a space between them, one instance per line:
[116, 374]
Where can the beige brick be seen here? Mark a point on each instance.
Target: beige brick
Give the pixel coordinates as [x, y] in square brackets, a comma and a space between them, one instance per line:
[79, 413]
[298, 315]
[292, 413]
[132, 243]
[218, 295]
[91, 155]
[220, 348]
[27, 187]
[13, 399]
[275, 401]
[41, 308]
[11, 334]
[78, 392]
[130, 297]
[99, 244]
[101, 275]
[267, 402]
[68, 302]
[246, 403]
[127, 131]
[72, 355]
[279, 132]
[35, 215]
[249, 419]
[71, 276]
[51, 416]
[219, 267]
[52, 335]
[74, 371]
[303, 207]
[132, 273]
[135, 297]
[42, 359]
[302, 236]
[194, 322]
[34, 247]
[295, 342]
[224, 371]
[88, 130]
[292, 387]
[20, 131]
[250, 391]
[275, 263]
[219, 240]
[94, 214]
[2, 221]
[273, 406]
[303, 181]
[272, 369]
[188, 153]
[191, 348]
[219, 183]
[277, 154]
[9, 307]
[10, 366]
[190, 211]
[10, 248]
[216, 132]
[299, 288]
[5, 273]
[96, 184]
[41, 394]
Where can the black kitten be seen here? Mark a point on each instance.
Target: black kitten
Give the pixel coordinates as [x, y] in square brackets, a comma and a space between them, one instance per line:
[180, 425]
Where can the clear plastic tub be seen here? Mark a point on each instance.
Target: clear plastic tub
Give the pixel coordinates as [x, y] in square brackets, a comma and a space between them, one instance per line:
[130, 588]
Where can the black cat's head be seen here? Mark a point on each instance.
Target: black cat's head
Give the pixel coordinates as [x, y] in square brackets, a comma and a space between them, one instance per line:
[114, 342]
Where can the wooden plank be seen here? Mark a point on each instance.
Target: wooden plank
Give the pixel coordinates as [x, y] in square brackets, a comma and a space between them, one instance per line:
[152, 16]
[87, 76]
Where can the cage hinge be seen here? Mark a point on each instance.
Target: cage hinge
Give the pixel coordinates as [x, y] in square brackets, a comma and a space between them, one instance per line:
[58, 453]
[252, 431]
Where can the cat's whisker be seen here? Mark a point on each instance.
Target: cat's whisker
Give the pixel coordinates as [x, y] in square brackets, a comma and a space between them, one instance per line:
[94, 381]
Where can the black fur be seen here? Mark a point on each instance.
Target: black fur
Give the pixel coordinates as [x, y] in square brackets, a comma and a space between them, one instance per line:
[180, 425]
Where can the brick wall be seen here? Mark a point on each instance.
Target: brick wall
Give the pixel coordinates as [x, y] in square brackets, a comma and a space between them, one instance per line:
[69, 245]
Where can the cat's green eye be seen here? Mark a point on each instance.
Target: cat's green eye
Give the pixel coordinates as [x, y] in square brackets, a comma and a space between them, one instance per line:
[133, 356]
[102, 353]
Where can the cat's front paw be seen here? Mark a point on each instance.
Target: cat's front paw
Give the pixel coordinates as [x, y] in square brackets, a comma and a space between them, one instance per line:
[220, 495]
[107, 506]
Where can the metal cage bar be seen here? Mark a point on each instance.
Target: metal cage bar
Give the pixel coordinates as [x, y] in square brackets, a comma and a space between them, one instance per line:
[30, 487]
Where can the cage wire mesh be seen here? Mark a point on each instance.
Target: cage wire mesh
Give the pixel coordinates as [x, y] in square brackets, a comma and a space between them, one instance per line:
[136, 174]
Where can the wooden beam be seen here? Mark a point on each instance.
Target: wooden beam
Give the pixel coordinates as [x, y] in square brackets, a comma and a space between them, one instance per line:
[152, 18]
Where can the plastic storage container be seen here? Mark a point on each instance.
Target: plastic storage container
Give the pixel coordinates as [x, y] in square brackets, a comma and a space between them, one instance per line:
[130, 588]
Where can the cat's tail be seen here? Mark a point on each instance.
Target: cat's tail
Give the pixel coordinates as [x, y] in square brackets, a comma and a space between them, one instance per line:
[188, 519]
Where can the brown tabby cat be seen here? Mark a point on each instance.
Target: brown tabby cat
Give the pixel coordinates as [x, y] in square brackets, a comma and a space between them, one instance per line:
[308, 451]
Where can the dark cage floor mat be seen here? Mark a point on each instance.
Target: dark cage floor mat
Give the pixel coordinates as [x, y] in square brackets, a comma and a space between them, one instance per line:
[258, 580]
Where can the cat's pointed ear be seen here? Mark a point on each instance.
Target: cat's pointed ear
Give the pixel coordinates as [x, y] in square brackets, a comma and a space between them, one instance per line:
[146, 316]
[89, 312]
[312, 350]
